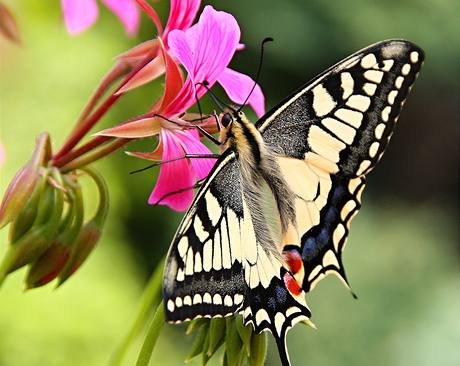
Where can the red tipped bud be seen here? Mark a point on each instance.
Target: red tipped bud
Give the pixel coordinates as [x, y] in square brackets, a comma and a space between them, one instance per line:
[8, 26]
[48, 266]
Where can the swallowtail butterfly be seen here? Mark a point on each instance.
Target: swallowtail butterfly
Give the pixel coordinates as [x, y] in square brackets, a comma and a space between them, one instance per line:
[312, 153]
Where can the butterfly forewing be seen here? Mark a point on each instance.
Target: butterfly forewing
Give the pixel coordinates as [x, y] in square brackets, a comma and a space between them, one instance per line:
[329, 135]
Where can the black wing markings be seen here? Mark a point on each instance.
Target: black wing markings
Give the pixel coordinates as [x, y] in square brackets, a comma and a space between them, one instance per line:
[341, 123]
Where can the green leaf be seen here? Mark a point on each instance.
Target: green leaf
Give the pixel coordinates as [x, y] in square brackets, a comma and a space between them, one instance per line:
[258, 349]
[198, 345]
[233, 343]
[245, 333]
[216, 334]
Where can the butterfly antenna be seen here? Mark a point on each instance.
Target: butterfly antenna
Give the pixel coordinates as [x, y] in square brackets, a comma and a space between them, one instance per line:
[220, 104]
[259, 69]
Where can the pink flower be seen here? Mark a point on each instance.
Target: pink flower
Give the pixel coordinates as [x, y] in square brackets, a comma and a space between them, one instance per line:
[81, 14]
[181, 15]
[204, 50]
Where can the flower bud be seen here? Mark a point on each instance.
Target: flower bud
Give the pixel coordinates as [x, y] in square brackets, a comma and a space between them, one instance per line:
[87, 240]
[23, 183]
[8, 26]
[90, 232]
[17, 193]
[54, 259]
[48, 266]
[30, 246]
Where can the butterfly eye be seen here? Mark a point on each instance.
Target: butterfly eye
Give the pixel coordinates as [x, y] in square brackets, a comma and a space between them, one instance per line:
[226, 119]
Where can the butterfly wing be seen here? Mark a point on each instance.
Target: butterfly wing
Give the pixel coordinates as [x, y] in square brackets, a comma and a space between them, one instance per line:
[217, 267]
[329, 135]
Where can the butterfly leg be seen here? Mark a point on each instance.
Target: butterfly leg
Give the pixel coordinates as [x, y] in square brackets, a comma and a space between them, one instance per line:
[186, 156]
[196, 185]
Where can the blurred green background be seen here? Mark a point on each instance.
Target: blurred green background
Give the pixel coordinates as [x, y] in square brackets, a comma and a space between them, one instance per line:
[403, 254]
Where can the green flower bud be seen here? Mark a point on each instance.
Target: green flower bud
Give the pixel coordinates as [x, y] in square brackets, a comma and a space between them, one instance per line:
[30, 246]
[54, 259]
[21, 187]
[90, 232]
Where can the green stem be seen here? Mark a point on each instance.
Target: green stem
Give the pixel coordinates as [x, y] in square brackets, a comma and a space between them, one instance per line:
[84, 126]
[152, 336]
[149, 298]
[93, 156]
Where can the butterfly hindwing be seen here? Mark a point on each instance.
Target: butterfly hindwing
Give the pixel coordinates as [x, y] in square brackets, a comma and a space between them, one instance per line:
[216, 265]
[328, 136]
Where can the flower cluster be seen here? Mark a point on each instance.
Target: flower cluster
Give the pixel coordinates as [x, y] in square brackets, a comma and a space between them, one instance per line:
[50, 231]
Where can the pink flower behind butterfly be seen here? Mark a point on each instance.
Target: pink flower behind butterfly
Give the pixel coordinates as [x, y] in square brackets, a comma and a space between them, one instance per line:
[204, 50]
[81, 14]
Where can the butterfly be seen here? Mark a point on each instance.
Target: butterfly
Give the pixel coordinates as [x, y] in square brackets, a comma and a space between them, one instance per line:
[272, 218]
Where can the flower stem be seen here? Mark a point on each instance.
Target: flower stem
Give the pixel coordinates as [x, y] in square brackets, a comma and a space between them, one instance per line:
[151, 337]
[95, 155]
[149, 298]
[118, 70]
[84, 126]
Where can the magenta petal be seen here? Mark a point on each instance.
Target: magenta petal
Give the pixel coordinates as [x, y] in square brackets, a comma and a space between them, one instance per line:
[128, 13]
[205, 50]
[181, 15]
[79, 14]
[238, 86]
[173, 176]
[192, 145]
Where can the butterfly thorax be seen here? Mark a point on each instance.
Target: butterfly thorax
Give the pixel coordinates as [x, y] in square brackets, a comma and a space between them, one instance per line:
[259, 167]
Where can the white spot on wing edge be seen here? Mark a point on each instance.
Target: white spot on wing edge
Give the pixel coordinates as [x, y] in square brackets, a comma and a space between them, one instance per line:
[386, 113]
[414, 57]
[405, 69]
[392, 96]
[379, 130]
[170, 305]
[399, 81]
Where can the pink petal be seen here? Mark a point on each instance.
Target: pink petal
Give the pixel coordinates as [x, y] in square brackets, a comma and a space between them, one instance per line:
[143, 127]
[139, 52]
[192, 145]
[128, 13]
[149, 72]
[173, 176]
[79, 14]
[204, 50]
[181, 15]
[238, 86]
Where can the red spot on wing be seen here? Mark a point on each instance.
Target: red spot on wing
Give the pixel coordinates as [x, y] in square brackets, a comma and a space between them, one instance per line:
[293, 260]
[292, 285]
